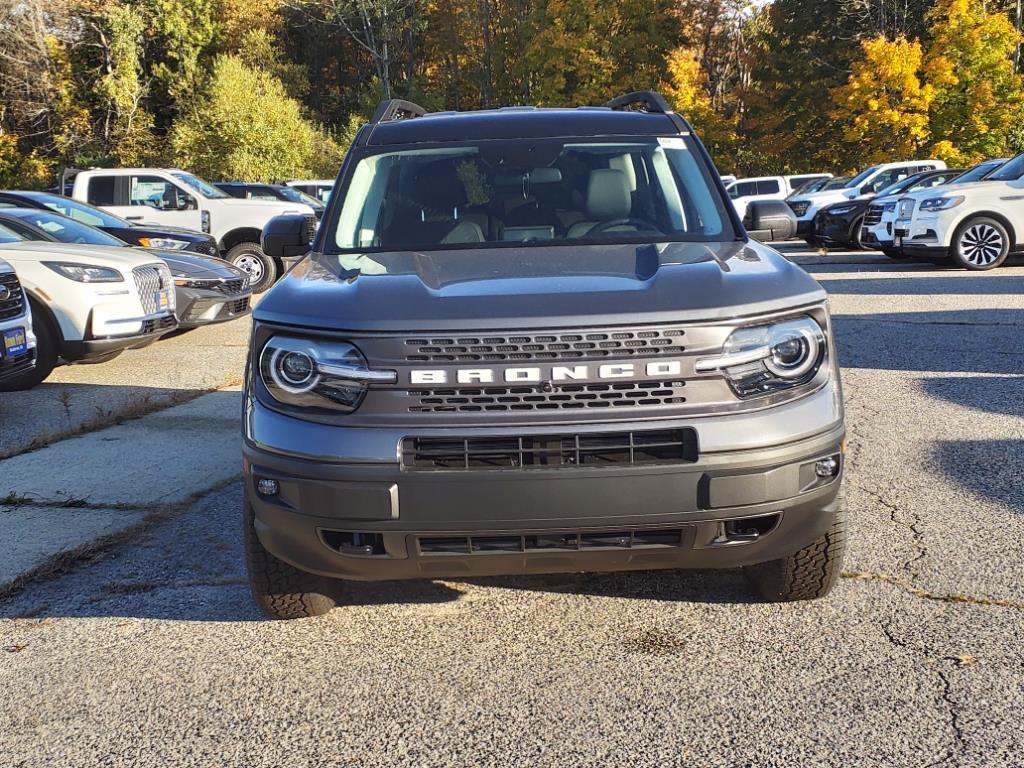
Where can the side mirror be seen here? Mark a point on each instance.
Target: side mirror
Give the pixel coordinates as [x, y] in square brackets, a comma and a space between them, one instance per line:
[770, 220]
[286, 236]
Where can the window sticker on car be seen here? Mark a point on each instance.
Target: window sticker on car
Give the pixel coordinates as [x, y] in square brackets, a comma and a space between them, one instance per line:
[673, 142]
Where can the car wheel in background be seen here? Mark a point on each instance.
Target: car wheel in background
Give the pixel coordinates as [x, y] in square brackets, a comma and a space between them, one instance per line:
[47, 345]
[980, 243]
[855, 235]
[251, 259]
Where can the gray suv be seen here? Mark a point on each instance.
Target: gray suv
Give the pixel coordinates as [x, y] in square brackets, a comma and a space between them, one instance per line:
[531, 341]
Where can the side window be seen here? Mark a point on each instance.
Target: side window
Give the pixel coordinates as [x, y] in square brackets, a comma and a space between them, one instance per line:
[768, 187]
[159, 194]
[100, 190]
[745, 188]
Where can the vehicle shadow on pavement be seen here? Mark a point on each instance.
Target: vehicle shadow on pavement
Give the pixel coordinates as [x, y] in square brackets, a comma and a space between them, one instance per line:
[989, 468]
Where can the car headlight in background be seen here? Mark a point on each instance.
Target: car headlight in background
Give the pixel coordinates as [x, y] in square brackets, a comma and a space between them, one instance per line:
[762, 359]
[889, 207]
[840, 210]
[184, 281]
[85, 273]
[317, 374]
[941, 203]
[170, 243]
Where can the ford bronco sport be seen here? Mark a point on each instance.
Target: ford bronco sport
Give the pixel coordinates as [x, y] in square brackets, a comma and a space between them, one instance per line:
[531, 341]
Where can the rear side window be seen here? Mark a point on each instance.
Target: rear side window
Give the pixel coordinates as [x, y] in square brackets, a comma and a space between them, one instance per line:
[101, 191]
[768, 187]
[743, 189]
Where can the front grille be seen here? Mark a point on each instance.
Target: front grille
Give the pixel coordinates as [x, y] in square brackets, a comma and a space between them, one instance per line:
[662, 446]
[14, 304]
[238, 307]
[567, 397]
[233, 287]
[311, 226]
[149, 280]
[873, 216]
[546, 346]
[572, 541]
[207, 248]
[159, 324]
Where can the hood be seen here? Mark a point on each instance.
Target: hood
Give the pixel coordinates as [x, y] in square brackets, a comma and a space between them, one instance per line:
[824, 196]
[271, 207]
[98, 255]
[197, 266]
[159, 230]
[947, 189]
[537, 287]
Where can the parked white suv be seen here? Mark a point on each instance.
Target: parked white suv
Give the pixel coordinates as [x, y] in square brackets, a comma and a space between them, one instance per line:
[975, 225]
[170, 196]
[742, 192]
[867, 182]
[89, 303]
[17, 342]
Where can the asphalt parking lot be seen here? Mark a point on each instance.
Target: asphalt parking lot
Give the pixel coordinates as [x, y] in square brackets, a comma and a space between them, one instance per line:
[151, 651]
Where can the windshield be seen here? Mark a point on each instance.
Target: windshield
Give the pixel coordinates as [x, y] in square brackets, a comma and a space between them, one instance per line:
[83, 212]
[295, 196]
[861, 177]
[542, 192]
[9, 235]
[1012, 171]
[838, 183]
[67, 230]
[899, 186]
[978, 172]
[200, 186]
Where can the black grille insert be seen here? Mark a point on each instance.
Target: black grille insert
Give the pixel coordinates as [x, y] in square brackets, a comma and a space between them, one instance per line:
[565, 397]
[873, 216]
[14, 304]
[663, 446]
[571, 541]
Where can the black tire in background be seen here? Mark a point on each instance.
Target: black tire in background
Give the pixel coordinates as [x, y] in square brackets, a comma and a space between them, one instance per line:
[251, 259]
[48, 341]
[809, 573]
[281, 590]
[980, 243]
[855, 235]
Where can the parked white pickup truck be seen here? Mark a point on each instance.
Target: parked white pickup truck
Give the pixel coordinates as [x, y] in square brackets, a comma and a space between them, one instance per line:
[169, 196]
[742, 192]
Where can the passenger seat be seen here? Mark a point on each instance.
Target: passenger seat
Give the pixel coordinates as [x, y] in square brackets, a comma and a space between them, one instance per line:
[608, 199]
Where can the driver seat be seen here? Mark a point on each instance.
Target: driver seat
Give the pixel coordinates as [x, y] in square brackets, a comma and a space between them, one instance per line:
[608, 199]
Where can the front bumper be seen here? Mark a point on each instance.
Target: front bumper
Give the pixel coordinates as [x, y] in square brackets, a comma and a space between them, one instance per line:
[12, 366]
[198, 307]
[98, 349]
[377, 521]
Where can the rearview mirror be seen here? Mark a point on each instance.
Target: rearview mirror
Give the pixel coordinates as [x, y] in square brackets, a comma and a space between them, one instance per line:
[286, 236]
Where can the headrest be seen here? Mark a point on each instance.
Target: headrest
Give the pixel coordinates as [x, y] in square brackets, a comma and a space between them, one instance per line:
[608, 195]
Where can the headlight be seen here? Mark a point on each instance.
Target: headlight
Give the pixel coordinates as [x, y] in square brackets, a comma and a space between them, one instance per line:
[762, 359]
[184, 281]
[941, 203]
[840, 210]
[317, 374]
[889, 207]
[85, 273]
[169, 243]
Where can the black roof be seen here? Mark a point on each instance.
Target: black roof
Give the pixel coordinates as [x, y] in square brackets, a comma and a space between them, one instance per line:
[521, 123]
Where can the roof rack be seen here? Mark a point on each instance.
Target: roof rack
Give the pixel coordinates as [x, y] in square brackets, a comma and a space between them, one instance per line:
[390, 110]
[650, 101]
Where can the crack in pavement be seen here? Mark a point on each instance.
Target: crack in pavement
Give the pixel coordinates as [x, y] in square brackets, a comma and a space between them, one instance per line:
[955, 598]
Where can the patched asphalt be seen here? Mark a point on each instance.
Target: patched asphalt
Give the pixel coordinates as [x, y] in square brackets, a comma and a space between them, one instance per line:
[154, 654]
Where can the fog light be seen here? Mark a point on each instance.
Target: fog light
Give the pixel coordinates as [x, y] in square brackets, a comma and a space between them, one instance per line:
[267, 487]
[827, 467]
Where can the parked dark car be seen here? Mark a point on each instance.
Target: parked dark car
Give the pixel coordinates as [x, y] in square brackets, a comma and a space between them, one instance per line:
[253, 191]
[208, 290]
[147, 235]
[839, 224]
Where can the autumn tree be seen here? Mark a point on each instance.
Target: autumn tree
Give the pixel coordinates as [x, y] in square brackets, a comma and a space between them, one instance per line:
[882, 110]
[977, 93]
[686, 88]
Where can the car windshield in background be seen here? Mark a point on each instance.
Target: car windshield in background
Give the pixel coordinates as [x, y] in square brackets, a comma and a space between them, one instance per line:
[205, 189]
[861, 177]
[529, 193]
[67, 230]
[838, 183]
[1012, 171]
[9, 235]
[295, 196]
[978, 172]
[87, 214]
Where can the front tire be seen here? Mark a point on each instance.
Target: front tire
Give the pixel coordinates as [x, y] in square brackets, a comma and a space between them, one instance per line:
[809, 573]
[980, 244]
[281, 590]
[251, 259]
[47, 352]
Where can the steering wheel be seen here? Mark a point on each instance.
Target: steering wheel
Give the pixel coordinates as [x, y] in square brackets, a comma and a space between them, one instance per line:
[641, 225]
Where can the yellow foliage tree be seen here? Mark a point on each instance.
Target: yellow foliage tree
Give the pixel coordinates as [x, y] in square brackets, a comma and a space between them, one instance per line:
[978, 96]
[685, 87]
[883, 107]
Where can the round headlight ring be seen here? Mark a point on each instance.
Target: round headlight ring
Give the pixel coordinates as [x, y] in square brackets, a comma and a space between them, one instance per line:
[794, 353]
[293, 371]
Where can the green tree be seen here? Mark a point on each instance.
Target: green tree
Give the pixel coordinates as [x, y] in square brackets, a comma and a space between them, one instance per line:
[977, 93]
[180, 34]
[244, 127]
[686, 88]
[882, 110]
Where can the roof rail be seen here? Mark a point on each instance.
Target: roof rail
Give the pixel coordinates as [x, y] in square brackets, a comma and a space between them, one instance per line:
[651, 101]
[396, 109]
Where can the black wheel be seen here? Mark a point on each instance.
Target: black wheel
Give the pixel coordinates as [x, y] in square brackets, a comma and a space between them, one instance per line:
[251, 259]
[980, 243]
[281, 590]
[807, 574]
[894, 253]
[47, 352]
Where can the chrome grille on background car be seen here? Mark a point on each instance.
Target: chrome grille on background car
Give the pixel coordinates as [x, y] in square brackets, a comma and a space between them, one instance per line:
[546, 346]
[873, 216]
[14, 304]
[661, 446]
[570, 396]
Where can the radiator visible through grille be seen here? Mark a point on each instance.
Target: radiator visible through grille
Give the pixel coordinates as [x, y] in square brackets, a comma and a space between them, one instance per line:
[662, 446]
[14, 304]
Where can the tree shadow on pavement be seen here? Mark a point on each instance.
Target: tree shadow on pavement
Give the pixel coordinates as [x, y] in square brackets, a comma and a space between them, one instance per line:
[991, 394]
